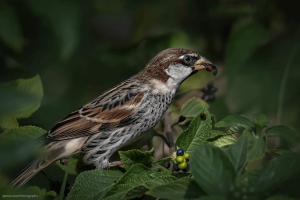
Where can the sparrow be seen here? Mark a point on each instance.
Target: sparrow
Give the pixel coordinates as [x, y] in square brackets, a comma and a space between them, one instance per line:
[120, 114]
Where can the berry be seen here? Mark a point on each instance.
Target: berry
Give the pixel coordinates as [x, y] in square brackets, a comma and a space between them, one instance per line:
[181, 118]
[175, 167]
[215, 71]
[180, 152]
[180, 159]
[187, 168]
[203, 116]
[186, 155]
[182, 165]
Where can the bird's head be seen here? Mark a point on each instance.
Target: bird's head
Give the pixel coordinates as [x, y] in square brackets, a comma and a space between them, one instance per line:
[172, 66]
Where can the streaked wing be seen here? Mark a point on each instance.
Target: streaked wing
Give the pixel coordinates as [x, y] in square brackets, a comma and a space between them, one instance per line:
[112, 109]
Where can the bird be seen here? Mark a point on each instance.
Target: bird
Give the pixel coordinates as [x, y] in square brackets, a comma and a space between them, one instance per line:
[119, 115]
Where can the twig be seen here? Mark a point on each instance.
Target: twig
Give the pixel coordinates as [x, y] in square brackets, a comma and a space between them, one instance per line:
[162, 137]
[168, 131]
[115, 164]
[284, 81]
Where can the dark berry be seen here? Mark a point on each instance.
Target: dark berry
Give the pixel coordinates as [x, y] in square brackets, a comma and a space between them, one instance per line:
[175, 167]
[180, 152]
[187, 168]
[181, 119]
[215, 71]
[203, 116]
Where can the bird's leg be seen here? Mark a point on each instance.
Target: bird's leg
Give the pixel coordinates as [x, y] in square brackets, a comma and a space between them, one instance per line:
[63, 161]
[115, 164]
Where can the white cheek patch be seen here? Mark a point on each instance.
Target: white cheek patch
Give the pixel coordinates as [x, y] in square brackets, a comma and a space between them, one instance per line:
[178, 72]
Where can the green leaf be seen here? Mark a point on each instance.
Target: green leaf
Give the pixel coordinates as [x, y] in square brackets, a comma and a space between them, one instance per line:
[197, 133]
[20, 134]
[72, 166]
[193, 107]
[21, 97]
[236, 122]
[159, 181]
[215, 134]
[41, 193]
[257, 146]
[279, 151]
[185, 188]
[65, 19]
[237, 153]
[212, 169]
[284, 132]
[161, 174]
[8, 121]
[224, 140]
[277, 172]
[93, 184]
[260, 119]
[132, 157]
[11, 35]
[136, 176]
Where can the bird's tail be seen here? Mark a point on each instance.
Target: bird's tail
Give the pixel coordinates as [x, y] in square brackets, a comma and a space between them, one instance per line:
[30, 171]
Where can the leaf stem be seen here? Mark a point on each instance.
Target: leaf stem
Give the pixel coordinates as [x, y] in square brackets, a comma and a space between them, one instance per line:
[63, 186]
[284, 81]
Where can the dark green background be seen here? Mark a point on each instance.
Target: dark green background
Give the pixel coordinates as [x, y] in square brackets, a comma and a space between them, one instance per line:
[81, 48]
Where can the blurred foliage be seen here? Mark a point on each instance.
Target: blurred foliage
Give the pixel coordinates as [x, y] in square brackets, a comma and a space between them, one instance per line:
[81, 48]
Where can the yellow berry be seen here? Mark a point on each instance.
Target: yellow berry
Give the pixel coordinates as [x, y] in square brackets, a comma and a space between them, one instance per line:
[182, 165]
[180, 159]
[186, 155]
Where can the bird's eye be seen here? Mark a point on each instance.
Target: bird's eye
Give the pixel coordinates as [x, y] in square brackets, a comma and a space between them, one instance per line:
[187, 59]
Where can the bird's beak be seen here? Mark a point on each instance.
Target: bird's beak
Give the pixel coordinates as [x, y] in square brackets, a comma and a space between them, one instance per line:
[202, 63]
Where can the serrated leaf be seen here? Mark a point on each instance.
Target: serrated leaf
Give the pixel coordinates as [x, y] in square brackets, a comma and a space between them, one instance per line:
[277, 172]
[136, 176]
[236, 122]
[193, 107]
[224, 140]
[21, 97]
[197, 133]
[93, 184]
[20, 134]
[284, 132]
[8, 121]
[132, 157]
[159, 181]
[237, 153]
[257, 146]
[185, 188]
[161, 174]
[212, 169]
[11, 35]
[260, 119]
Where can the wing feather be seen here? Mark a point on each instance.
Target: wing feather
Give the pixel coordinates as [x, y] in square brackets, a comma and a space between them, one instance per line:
[109, 110]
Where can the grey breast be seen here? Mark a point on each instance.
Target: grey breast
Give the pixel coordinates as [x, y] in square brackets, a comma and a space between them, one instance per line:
[102, 147]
